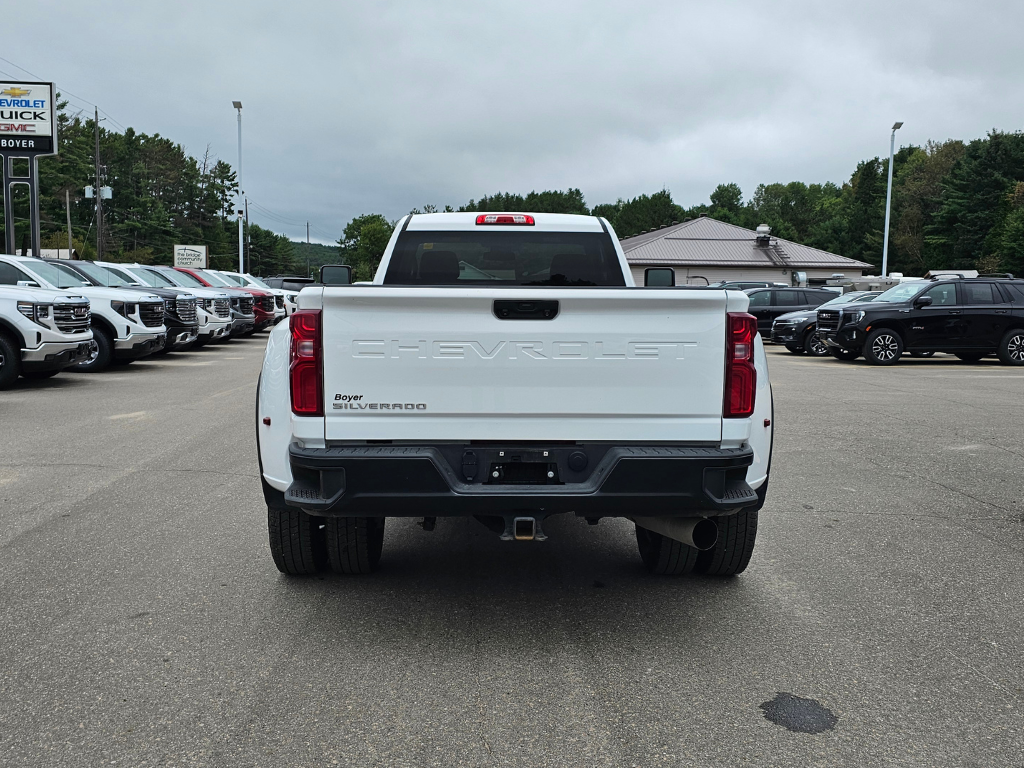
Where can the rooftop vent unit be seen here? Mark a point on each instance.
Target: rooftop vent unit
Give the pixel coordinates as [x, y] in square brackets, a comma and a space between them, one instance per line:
[764, 235]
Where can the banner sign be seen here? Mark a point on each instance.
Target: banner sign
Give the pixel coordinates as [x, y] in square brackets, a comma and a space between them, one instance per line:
[190, 256]
[27, 119]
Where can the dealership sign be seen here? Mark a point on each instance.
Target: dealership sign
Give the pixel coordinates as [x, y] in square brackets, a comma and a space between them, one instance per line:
[27, 119]
[190, 256]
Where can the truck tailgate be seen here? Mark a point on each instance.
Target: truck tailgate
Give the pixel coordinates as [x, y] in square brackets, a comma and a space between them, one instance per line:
[437, 364]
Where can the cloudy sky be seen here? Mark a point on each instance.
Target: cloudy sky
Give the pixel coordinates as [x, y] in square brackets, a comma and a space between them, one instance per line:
[357, 107]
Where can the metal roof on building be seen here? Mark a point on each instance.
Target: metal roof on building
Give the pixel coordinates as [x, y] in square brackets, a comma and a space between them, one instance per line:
[707, 241]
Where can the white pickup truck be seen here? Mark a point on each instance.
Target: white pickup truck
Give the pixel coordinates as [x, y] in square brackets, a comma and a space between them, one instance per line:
[505, 367]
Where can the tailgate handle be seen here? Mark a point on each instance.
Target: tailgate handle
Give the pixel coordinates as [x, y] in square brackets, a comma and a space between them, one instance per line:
[517, 309]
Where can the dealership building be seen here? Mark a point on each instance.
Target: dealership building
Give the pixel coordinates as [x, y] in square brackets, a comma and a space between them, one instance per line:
[707, 249]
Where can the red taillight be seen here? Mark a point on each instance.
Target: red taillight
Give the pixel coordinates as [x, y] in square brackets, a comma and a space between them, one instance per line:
[522, 219]
[306, 370]
[740, 375]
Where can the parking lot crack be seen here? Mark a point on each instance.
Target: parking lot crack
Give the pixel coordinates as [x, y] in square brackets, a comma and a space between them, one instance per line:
[951, 489]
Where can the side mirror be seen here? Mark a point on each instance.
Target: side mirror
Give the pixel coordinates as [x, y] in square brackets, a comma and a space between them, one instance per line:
[923, 301]
[336, 274]
[659, 276]
[28, 284]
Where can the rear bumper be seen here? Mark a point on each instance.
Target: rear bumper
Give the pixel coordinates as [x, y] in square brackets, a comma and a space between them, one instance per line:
[457, 480]
[54, 355]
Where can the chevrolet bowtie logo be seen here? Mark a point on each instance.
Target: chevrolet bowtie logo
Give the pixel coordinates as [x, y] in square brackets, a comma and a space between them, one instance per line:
[15, 92]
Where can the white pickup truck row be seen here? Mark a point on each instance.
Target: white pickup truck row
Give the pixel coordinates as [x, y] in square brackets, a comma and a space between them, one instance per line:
[505, 367]
[87, 315]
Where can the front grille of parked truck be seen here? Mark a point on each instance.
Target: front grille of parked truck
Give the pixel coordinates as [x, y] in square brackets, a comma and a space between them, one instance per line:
[828, 320]
[72, 318]
[222, 307]
[151, 313]
[267, 303]
[185, 309]
[245, 305]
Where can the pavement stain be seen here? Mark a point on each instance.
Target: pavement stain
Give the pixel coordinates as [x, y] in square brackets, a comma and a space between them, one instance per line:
[799, 715]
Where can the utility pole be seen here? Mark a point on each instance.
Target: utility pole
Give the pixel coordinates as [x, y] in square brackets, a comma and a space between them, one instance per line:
[99, 192]
[888, 201]
[238, 176]
[67, 207]
[307, 249]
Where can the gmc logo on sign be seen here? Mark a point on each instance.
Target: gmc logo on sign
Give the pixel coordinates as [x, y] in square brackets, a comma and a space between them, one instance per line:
[17, 128]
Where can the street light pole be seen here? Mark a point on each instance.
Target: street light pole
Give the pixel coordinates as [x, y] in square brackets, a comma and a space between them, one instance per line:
[888, 200]
[238, 177]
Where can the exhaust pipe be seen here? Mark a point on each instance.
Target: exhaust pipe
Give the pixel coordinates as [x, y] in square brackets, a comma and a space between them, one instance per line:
[697, 532]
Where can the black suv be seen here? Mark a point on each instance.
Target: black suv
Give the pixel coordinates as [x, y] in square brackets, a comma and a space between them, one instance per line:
[970, 318]
[797, 329]
[768, 303]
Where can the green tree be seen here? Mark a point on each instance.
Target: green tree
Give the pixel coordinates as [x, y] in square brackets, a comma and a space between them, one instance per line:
[609, 211]
[727, 204]
[976, 200]
[363, 244]
[916, 196]
[643, 213]
[1012, 245]
[551, 201]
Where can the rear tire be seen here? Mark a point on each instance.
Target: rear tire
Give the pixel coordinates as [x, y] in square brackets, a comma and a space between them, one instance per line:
[1011, 348]
[354, 544]
[664, 556]
[101, 353]
[883, 347]
[296, 541]
[923, 354]
[814, 346]
[731, 553]
[969, 357]
[843, 354]
[10, 361]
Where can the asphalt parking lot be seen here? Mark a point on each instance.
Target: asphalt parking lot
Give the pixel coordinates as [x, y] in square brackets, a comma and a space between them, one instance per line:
[144, 624]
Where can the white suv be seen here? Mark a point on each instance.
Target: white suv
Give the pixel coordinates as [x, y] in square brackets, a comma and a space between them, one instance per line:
[126, 325]
[41, 332]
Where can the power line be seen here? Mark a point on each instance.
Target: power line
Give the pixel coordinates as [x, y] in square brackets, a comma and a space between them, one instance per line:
[283, 220]
[276, 216]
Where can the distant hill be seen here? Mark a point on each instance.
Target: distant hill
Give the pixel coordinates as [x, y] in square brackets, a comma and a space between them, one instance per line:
[315, 254]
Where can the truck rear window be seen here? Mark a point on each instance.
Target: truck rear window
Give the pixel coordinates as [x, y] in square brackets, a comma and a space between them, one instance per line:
[498, 259]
